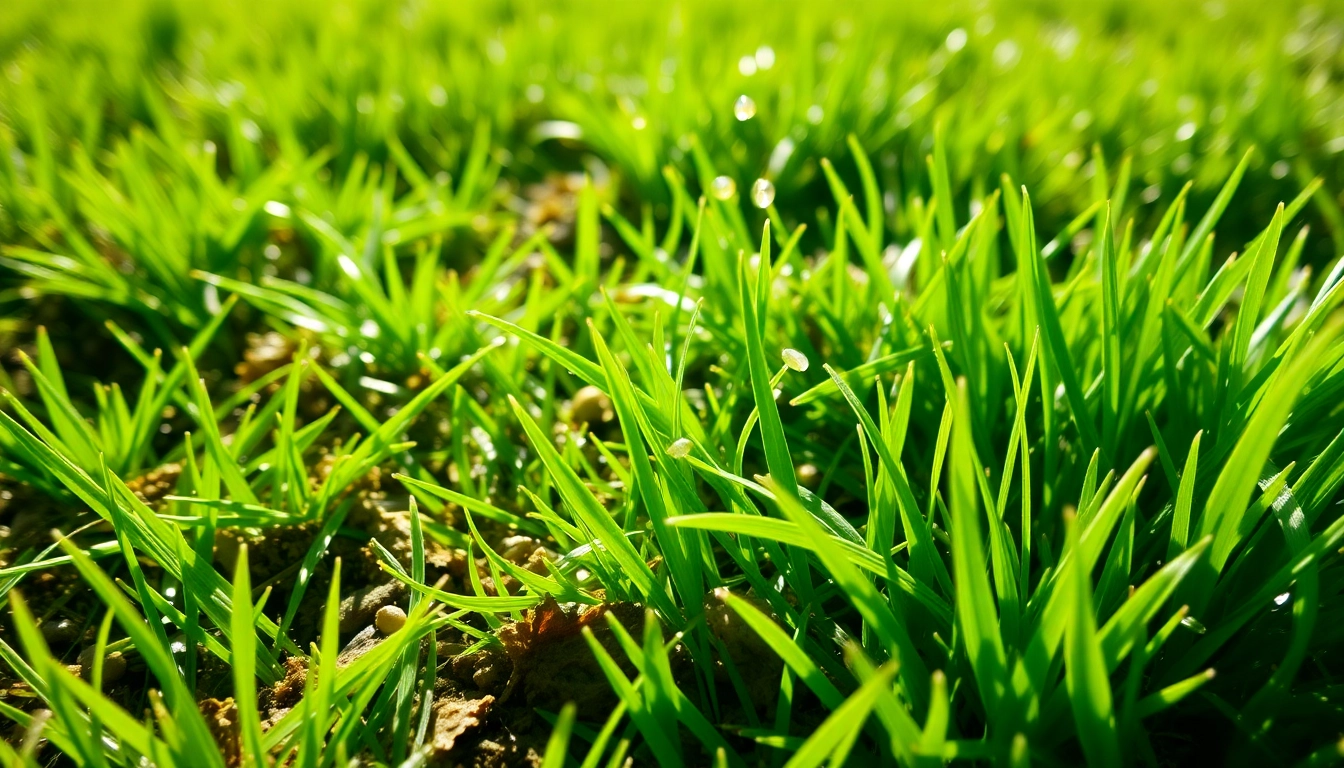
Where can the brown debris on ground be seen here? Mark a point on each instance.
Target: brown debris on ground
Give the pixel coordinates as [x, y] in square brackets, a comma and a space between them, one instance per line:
[552, 663]
[553, 202]
[758, 665]
[275, 702]
[265, 353]
[222, 719]
[485, 704]
[454, 717]
[366, 640]
[152, 486]
[269, 553]
[28, 517]
[359, 607]
[274, 556]
[542, 663]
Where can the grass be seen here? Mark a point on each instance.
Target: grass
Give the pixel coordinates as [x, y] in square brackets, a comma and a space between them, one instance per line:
[1006, 431]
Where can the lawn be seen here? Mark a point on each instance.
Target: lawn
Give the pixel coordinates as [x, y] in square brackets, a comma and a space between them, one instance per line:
[733, 384]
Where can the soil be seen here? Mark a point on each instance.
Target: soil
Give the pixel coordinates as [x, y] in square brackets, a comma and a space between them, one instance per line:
[486, 715]
[486, 703]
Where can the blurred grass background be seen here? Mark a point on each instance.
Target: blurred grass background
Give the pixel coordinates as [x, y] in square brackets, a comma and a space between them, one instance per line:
[1022, 88]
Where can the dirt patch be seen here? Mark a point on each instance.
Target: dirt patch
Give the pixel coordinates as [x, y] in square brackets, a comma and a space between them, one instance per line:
[491, 697]
[152, 486]
[265, 352]
[552, 662]
[275, 702]
[359, 607]
[222, 719]
[366, 640]
[757, 664]
[454, 717]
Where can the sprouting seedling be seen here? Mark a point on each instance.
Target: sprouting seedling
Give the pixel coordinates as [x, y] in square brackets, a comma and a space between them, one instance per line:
[795, 360]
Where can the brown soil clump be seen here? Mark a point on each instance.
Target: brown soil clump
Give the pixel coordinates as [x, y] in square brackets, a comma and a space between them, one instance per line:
[455, 716]
[222, 719]
[152, 486]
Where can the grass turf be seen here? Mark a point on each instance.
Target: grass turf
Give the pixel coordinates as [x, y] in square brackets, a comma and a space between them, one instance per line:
[912, 409]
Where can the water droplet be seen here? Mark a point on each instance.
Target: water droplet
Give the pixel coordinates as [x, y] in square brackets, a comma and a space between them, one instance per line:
[1281, 599]
[723, 187]
[1191, 623]
[795, 360]
[765, 57]
[639, 123]
[681, 448]
[744, 108]
[956, 40]
[762, 193]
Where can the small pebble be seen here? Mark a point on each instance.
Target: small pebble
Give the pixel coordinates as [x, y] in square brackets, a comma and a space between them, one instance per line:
[60, 631]
[590, 406]
[808, 475]
[359, 608]
[114, 665]
[390, 618]
[516, 548]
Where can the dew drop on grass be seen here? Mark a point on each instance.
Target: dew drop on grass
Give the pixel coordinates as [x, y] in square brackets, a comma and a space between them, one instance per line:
[956, 39]
[762, 193]
[744, 108]
[1193, 624]
[795, 360]
[680, 449]
[723, 187]
[765, 57]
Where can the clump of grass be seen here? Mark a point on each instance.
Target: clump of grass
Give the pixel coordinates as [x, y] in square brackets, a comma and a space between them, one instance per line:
[945, 468]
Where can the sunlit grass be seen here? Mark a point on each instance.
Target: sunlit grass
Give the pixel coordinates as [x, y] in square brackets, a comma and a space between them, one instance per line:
[972, 366]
